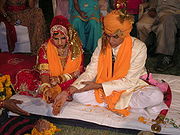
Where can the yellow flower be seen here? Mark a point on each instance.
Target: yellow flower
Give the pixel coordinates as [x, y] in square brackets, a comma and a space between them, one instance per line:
[2, 97]
[1, 85]
[8, 92]
[3, 78]
[7, 77]
[50, 131]
[1, 89]
[142, 119]
[5, 84]
[8, 83]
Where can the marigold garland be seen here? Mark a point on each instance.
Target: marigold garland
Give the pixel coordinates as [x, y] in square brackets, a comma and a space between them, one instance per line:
[164, 121]
[5, 87]
[50, 131]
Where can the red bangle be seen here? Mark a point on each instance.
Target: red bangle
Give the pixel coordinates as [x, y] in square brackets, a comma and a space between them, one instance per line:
[1, 104]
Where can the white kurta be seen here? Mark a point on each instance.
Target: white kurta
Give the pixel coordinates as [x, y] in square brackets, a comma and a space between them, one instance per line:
[165, 24]
[130, 82]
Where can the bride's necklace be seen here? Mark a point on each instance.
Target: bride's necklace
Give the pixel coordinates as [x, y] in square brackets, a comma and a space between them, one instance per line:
[63, 52]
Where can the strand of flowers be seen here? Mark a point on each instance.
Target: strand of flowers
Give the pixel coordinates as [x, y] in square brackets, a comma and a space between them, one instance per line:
[166, 121]
[172, 122]
[5, 89]
[51, 131]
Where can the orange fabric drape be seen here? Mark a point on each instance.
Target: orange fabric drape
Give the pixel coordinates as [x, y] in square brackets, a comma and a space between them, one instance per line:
[55, 66]
[121, 67]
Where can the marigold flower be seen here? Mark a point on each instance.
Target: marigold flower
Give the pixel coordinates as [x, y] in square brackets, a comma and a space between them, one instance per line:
[5, 88]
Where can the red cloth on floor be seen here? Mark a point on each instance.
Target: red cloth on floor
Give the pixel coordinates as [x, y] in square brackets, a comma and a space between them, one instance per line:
[12, 63]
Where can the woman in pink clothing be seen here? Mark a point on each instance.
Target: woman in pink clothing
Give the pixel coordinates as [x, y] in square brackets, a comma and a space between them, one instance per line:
[62, 7]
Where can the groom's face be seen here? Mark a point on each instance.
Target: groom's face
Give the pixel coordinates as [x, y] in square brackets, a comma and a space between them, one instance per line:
[114, 40]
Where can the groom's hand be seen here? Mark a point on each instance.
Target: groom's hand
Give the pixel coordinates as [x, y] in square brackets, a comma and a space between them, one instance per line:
[90, 85]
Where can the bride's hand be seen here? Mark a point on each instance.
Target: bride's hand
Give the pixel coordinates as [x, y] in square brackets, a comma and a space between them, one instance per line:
[50, 94]
[76, 74]
[54, 80]
[47, 95]
[59, 102]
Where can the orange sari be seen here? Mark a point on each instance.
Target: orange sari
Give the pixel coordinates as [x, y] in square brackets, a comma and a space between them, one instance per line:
[121, 67]
[55, 66]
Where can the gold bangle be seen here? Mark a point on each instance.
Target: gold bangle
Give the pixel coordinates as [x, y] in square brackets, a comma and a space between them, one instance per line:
[70, 76]
[42, 86]
[58, 80]
[44, 90]
[55, 80]
[45, 84]
[67, 77]
[63, 78]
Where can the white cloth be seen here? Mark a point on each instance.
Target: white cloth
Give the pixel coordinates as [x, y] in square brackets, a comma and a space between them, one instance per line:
[146, 100]
[129, 82]
[87, 98]
[102, 116]
[23, 43]
[146, 96]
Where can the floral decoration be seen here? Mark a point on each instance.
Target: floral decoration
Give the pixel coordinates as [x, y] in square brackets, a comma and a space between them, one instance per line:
[49, 128]
[5, 87]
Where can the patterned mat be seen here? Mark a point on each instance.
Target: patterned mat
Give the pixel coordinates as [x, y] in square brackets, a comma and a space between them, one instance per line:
[12, 63]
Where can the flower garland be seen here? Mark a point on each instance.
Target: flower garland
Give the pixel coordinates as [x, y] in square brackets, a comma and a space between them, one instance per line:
[156, 124]
[5, 87]
[171, 122]
[51, 131]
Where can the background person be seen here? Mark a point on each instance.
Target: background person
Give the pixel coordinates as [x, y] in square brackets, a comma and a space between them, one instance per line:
[163, 18]
[85, 17]
[23, 12]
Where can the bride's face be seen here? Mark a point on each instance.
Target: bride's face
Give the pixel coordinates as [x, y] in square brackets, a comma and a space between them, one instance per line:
[59, 40]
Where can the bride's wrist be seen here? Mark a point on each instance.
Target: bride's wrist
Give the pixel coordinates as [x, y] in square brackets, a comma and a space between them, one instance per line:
[72, 91]
[44, 86]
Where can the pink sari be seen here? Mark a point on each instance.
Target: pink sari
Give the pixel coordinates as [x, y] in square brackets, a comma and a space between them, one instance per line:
[62, 7]
[133, 6]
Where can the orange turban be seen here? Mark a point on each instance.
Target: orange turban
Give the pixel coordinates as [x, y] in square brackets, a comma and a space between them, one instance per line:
[114, 22]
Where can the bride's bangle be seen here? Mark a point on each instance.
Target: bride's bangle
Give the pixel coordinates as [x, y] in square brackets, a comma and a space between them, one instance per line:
[43, 86]
[67, 76]
[55, 80]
